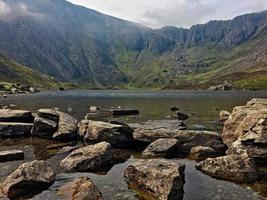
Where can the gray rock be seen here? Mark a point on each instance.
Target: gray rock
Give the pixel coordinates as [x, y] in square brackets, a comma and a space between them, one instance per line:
[200, 153]
[67, 128]
[28, 179]
[44, 128]
[162, 148]
[89, 158]
[156, 178]
[11, 155]
[96, 131]
[14, 129]
[8, 115]
[182, 116]
[239, 168]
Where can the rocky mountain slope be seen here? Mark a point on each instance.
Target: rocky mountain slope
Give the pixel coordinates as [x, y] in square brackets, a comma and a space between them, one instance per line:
[73, 43]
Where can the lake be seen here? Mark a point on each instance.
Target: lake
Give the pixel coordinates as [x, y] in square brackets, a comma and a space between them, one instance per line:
[203, 108]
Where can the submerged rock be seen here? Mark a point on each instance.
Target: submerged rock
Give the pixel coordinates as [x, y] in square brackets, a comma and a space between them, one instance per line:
[156, 178]
[162, 148]
[79, 189]
[200, 153]
[96, 131]
[11, 155]
[14, 129]
[182, 116]
[239, 168]
[23, 116]
[89, 158]
[245, 130]
[28, 179]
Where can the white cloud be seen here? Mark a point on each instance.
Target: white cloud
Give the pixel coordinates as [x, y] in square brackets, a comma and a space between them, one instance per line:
[185, 13]
[12, 11]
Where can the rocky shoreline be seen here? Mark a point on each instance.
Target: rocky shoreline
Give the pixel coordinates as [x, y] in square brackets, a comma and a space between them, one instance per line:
[233, 155]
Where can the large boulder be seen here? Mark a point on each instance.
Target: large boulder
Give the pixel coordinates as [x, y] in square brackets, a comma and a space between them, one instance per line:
[200, 153]
[156, 178]
[23, 116]
[246, 130]
[67, 128]
[28, 179]
[79, 189]
[89, 158]
[238, 168]
[54, 124]
[162, 148]
[11, 155]
[14, 129]
[97, 131]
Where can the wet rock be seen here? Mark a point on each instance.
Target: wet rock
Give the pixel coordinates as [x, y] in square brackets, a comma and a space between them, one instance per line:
[199, 127]
[96, 131]
[156, 178]
[117, 112]
[67, 128]
[89, 158]
[14, 129]
[239, 168]
[192, 138]
[8, 115]
[162, 148]
[11, 155]
[80, 189]
[28, 179]
[246, 130]
[200, 153]
[174, 109]
[182, 116]
[53, 124]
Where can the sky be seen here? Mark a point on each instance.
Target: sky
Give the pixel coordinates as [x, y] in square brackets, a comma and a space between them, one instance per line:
[181, 13]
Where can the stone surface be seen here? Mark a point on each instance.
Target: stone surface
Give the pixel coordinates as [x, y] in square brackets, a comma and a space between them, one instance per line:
[28, 179]
[200, 153]
[239, 168]
[14, 129]
[96, 131]
[67, 128]
[224, 115]
[246, 129]
[117, 112]
[79, 189]
[162, 148]
[8, 115]
[182, 116]
[156, 178]
[89, 158]
[11, 155]
[53, 124]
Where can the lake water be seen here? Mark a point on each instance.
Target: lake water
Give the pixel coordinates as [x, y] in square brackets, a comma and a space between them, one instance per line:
[202, 107]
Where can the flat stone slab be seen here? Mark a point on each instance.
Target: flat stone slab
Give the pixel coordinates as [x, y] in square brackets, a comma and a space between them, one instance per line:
[117, 112]
[11, 155]
[13, 129]
[23, 116]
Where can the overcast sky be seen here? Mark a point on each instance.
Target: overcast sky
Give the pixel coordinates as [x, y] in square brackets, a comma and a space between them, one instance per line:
[182, 13]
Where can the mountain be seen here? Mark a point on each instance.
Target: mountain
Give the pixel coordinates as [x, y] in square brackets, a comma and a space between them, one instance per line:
[12, 72]
[73, 43]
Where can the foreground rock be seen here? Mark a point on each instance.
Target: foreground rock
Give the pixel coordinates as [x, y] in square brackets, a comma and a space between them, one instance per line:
[200, 153]
[11, 155]
[162, 148]
[14, 129]
[156, 178]
[239, 168]
[96, 131]
[54, 124]
[80, 189]
[89, 158]
[246, 130]
[8, 115]
[29, 179]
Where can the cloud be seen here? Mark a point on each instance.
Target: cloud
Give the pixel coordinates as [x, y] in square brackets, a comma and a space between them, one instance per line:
[10, 11]
[182, 13]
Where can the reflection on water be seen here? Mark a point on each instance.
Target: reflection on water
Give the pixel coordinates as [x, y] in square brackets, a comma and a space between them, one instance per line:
[202, 107]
